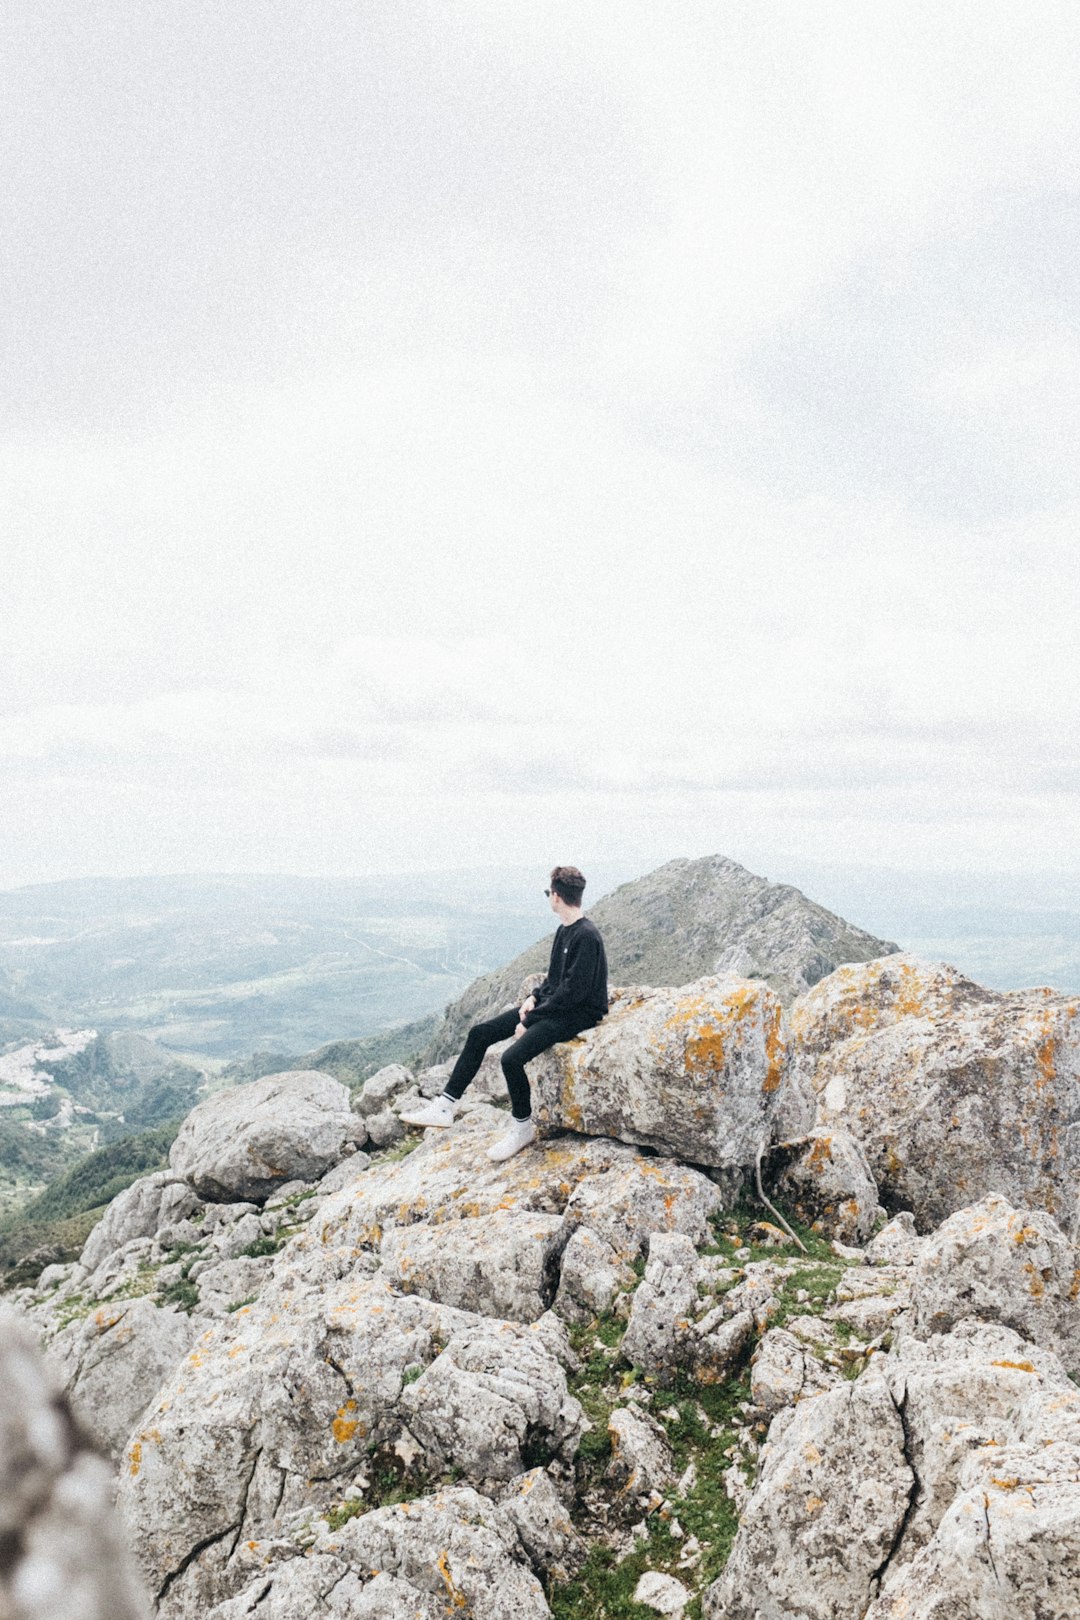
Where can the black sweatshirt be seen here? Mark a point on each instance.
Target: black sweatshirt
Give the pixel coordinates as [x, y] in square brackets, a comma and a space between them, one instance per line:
[576, 983]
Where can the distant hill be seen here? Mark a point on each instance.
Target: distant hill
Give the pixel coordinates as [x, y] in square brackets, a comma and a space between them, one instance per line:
[226, 966]
[72, 1092]
[686, 919]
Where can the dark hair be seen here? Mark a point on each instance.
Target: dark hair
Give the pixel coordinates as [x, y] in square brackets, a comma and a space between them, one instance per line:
[568, 883]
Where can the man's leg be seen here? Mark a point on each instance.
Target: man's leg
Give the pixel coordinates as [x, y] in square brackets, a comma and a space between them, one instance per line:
[479, 1038]
[546, 1032]
[539, 1037]
[440, 1111]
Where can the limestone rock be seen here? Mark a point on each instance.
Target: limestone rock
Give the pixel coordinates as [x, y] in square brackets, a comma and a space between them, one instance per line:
[590, 1276]
[382, 1088]
[115, 1360]
[1005, 1265]
[897, 1244]
[971, 1391]
[637, 1197]
[824, 1180]
[664, 1305]
[533, 1506]
[247, 1142]
[783, 1371]
[452, 1553]
[661, 1593]
[830, 1500]
[504, 1264]
[954, 1091]
[139, 1211]
[641, 1460]
[1008, 1549]
[62, 1551]
[456, 1547]
[695, 1072]
[495, 1390]
[272, 1409]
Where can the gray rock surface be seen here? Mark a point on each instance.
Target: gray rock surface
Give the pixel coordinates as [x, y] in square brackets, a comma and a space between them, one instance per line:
[823, 1179]
[114, 1360]
[1002, 1264]
[829, 1503]
[62, 1554]
[245, 1143]
[145, 1207]
[641, 1461]
[696, 1072]
[543, 1524]
[784, 1370]
[954, 1091]
[452, 1553]
[495, 1389]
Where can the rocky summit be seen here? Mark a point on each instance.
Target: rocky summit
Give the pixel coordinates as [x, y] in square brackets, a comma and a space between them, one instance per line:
[688, 919]
[331, 1367]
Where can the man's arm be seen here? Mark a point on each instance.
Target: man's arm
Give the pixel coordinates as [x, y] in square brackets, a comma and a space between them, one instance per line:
[573, 989]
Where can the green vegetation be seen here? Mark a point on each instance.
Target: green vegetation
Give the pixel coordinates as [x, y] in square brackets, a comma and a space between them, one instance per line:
[55, 1225]
[263, 1245]
[97, 1178]
[705, 1428]
[182, 1292]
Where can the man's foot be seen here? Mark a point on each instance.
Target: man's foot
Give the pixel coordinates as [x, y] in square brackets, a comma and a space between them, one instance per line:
[440, 1111]
[520, 1134]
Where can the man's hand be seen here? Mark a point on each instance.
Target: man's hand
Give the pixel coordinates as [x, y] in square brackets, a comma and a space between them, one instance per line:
[519, 1032]
[527, 1006]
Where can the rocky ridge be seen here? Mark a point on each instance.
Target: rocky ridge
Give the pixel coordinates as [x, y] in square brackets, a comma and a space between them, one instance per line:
[393, 1379]
[688, 919]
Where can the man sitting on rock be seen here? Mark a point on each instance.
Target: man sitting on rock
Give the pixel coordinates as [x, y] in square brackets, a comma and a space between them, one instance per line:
[573, 997]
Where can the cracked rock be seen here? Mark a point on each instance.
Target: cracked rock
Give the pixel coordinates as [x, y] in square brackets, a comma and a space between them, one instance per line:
[1006, 1265]
[495, 1390]
[829, 1504]
[248, 1142]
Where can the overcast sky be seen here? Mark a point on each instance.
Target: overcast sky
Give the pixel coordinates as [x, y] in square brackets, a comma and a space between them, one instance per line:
[445, 433]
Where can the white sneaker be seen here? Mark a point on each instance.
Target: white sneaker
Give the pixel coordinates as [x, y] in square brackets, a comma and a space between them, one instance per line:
[520, 1134]
[440, 1111]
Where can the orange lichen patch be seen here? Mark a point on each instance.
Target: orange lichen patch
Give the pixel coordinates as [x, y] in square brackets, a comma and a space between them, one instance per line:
[1005, 1484]
[1026, 1234]
[908, 1002]
[237, 1350]
[814, 1504]
[345, 1426]
[1045, 1056]
[812, 1455]
[820, 1154]
[1036, 1285]
[134, 1458]
[455, 1595]
[774, 1052]
[1016, 1366]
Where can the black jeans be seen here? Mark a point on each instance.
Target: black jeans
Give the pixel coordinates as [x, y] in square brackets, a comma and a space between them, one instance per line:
[541, 1034]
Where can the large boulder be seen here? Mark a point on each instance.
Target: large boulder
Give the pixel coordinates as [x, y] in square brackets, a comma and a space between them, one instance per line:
[139, 1211]
[954, 1091]
[452, 1553]
[696, 1072]
[62, 1553]
[831, 1498]
[245, 1143]
[824, 1180]
[1001, 1264]
[115, 1359]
